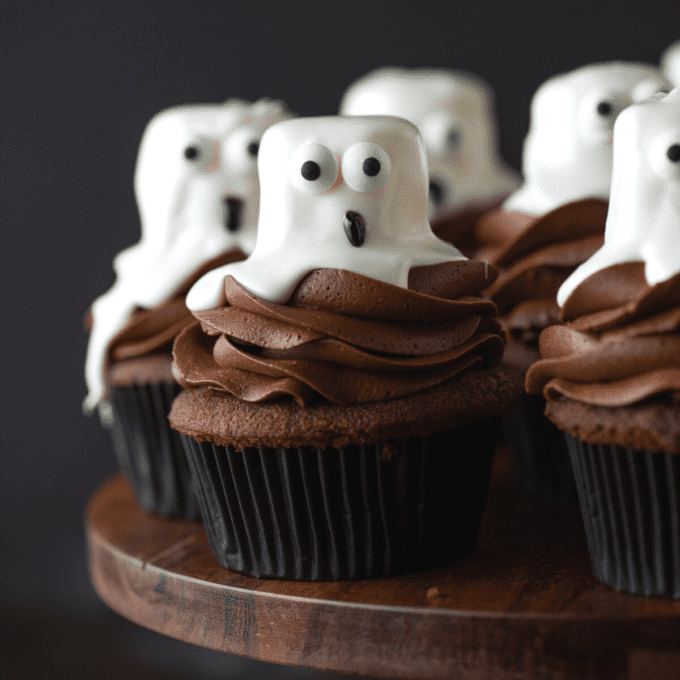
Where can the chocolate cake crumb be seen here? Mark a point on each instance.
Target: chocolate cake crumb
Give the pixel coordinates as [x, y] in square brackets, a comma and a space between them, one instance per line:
[388, 451]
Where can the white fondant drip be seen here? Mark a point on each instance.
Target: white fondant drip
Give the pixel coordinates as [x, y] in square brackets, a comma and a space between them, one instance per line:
[568, 150]
[439, 102]
[300, 230]
[190, 160]
[670, 63]
[643, 223]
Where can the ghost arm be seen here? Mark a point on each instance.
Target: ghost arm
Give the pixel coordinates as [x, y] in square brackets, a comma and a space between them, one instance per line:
[603, 258]
[110, 312]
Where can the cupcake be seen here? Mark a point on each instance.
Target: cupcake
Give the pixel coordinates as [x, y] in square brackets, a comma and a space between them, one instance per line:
[343, 382]
[454, 112]
[543, 231]
[197, 192]
[611, 373]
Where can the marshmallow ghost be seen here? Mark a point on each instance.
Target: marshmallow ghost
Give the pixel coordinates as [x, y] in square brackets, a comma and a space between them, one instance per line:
[670, 63]
[337, 192]
[454, 113]
[568, 150]
[197, 192]
[643, 223]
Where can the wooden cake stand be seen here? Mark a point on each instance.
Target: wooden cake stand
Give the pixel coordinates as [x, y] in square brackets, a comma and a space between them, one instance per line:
[524, 605]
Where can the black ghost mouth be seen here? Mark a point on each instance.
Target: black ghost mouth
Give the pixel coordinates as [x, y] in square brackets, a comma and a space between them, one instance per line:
[233, 214]
[437, 193]
[355, 228]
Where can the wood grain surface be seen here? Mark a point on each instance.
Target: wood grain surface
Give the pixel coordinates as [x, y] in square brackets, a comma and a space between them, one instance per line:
[524, 605]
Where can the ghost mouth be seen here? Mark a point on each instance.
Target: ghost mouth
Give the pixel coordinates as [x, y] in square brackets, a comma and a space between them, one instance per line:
[437, 193]
[355, 228]
[233, 214]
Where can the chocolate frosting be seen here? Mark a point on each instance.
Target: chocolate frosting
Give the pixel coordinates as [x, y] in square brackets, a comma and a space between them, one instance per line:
[458, 229]
[620, 345]
[535, 255]
[345, 337]
[150, 331]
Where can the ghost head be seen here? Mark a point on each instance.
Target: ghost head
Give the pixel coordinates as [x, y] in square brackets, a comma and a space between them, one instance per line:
[197, 192]
[337, 192]
[568, 151]
[196, 177]
[643, 223]
[670, 64]
[454, 113]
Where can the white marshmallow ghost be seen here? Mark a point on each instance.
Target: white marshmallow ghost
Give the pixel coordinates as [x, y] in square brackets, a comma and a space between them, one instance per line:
[337, 192]
[454, 113]
[197, 192]
[643, 223]
[670, 64]
[568, 150]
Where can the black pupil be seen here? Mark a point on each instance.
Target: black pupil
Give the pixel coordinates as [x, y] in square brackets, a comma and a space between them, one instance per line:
[673, 153]
[371, 166]
[453, 138]
[253, 148]
[310, 171]
[192, 153]
[604, 108]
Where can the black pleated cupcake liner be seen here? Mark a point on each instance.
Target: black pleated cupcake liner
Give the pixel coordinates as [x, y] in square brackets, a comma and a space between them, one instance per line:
[149, 452]
[630, 505]
[540, 454]
[334, 514]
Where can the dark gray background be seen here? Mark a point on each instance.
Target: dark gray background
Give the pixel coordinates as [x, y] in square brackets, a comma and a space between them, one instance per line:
[80, 80]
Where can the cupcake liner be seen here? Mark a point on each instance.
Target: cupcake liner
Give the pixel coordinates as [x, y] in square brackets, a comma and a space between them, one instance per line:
[149, 452]
[629, 500]
[542, 464]
[334, 514]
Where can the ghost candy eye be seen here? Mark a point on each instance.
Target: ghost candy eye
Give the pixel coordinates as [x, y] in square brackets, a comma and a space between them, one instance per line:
[313, 168]
[192, 153]
[365, 167]
[310, 171]
[253, 149]
[673, 153]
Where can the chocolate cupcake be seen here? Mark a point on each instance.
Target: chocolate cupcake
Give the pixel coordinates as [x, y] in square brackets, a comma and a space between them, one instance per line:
[611, 374]
[454, 112]
[342, 383]
[197, 191]
[552, 224]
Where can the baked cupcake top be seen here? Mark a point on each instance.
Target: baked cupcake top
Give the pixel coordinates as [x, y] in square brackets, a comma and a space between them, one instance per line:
[454, 112]
[348, 295]
[620, 345]
[197, 192]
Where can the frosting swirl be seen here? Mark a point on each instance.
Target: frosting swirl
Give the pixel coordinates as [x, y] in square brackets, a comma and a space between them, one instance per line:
[620, 345]
[345, 337]
[535, 255]
[152, 330]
